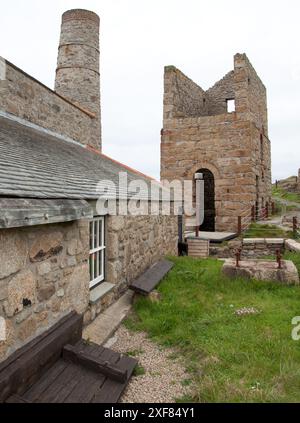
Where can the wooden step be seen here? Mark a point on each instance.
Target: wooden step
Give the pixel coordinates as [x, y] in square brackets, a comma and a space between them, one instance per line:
[60, 367]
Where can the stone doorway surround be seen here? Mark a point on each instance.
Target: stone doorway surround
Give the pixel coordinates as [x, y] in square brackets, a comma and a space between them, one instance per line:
[209, 201]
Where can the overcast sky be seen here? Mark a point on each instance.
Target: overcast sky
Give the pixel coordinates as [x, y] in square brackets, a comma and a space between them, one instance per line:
[140, 37]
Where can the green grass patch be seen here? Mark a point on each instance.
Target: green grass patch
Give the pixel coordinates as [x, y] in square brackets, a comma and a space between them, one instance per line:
[230, 359]
[139, 371]
[134, 353]
[293, 257]
[266, 231]
[285, 195]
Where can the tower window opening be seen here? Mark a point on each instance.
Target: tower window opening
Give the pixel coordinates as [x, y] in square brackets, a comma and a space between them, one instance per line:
[230, 105]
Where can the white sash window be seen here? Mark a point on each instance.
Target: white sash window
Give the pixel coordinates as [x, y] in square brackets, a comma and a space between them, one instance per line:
[97, 251]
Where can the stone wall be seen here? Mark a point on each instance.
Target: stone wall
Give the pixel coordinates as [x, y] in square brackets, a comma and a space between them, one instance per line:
[218, 95]
[183, 98]
[250, 93]
[251, 248]
[222, 145]
[78, 70]
[233, 146]
[26, 98]
[44, 274]
[134, 243]
[44, 271]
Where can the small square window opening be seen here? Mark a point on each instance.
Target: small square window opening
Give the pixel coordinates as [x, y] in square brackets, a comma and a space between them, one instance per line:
[230, 106]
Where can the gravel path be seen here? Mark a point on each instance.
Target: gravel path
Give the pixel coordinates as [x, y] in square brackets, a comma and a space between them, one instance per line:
[163, 376]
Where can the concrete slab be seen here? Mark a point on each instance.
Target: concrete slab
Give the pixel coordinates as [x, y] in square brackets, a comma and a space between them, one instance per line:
[217, 237]
[275, 241]
[262, 270]
[105, 325]
[247, 241]
[292, 245]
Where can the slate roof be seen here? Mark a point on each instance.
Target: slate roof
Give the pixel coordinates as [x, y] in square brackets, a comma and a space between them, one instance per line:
[36, 164]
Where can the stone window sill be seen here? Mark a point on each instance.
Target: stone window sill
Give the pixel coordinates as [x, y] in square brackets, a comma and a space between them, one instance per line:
[100, 291]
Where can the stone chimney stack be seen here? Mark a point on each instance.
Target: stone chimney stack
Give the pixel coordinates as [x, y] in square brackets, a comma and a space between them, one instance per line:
[78, 67]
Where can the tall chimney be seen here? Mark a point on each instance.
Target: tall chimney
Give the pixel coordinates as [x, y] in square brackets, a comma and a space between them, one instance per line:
[78, 68]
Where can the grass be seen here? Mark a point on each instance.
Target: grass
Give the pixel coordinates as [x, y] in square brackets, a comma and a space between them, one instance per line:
[230, 358]
[266, 231]
[134, 353]
[139, 371]
[293, 257]
[285, 195]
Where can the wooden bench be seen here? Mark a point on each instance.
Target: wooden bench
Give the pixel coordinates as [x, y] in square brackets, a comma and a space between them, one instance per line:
[151, 278]
[59, 367]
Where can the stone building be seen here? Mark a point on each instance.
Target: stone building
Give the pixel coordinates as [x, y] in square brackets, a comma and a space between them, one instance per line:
[222, 133]
[58, 253]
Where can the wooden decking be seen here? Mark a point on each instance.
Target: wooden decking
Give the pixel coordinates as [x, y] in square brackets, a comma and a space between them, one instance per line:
[53, 370]
[68, 382]
[151, 278]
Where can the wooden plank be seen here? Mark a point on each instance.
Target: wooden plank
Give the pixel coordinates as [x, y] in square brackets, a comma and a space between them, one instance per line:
[90, 381]
[16, 399]
[26, 366]
[78, 385]
[17, 354]
[71, 354]
[152, 277]
[66, 382]
[91, 348]
[111, 391]
[19, 212]
[85, 389]
[59, 390]
[38, 389]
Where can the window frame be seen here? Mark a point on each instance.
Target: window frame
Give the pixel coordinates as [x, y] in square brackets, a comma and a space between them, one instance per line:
[97, 246]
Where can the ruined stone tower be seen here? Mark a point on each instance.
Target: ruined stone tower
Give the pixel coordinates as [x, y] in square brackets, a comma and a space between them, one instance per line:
[78, 68]
[223, 134]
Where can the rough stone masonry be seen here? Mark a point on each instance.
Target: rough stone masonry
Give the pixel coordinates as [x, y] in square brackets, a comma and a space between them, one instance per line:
[45, 261]
[231, 148]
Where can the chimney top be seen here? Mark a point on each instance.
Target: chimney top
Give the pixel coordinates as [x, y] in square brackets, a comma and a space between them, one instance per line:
[80, 14]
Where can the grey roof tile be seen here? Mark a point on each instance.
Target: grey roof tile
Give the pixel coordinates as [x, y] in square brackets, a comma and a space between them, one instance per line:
[37, 164]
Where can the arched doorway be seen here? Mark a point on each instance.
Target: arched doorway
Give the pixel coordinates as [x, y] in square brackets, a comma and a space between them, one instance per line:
[209, 201]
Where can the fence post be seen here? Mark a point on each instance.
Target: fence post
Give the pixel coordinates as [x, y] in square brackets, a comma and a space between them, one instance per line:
[273, 207]
[295, 224]
[238, 257]
[253, 213]
[239, 225]
[278, 258]
[180, 228]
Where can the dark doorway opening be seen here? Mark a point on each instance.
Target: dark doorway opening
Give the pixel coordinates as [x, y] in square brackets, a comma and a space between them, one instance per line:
[209, 201]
